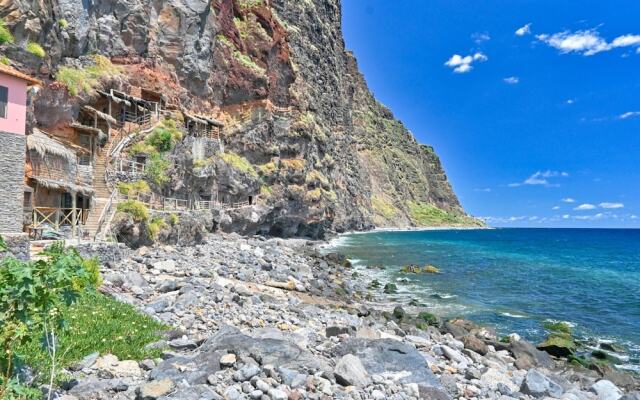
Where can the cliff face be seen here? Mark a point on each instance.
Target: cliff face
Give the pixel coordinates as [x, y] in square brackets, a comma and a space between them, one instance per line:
[326, 153]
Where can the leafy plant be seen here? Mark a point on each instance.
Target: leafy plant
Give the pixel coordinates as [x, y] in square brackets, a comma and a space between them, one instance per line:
[32, 293]
[156, 169]
[247, 62]
[63, 23]
[138, 211]
[156, 225]
[35, 49]
[5, 34]
[133, 188]
[5, 60]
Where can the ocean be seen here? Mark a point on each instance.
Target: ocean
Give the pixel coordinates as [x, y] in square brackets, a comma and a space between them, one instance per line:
[517, 279]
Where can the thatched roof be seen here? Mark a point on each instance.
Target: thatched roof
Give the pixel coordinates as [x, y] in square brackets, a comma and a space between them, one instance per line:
[85, 128]
[100, 114]
[202, 120]
[44, 144]
[53, 184]
[114, 98]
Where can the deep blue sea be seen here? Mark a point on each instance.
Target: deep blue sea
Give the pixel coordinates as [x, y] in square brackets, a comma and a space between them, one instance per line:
[516, 279]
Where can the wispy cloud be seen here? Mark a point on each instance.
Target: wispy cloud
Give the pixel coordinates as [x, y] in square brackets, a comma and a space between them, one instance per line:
[585, 207]
[629, 114]
[611, 205]
[541, 178]
[586, 42]
[486, 190]
[480, 37]
[461, 65]
[570, 101]
[556, 208]
[568, 200]
[589, 217]
[525, 30]
[512, 80]
[566, 216]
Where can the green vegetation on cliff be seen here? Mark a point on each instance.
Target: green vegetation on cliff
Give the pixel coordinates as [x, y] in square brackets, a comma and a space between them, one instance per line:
[5, 34]
[238, 162]
[424, 214]
[87, 79]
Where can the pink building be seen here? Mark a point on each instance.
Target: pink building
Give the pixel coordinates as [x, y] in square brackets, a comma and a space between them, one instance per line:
[13, 115]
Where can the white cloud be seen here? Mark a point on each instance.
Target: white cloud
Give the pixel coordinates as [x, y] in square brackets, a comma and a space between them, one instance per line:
[630, 114]
[584, 207]
[487, 190]
[541, 178]
[512, 80]
[462, 64]
[611, 205]
[525, 30]
[633, 216]
[568, 200]
[589, 217]
[587, 42]
[480, 37]
[566, 216]
[570, 101]
[556, 208]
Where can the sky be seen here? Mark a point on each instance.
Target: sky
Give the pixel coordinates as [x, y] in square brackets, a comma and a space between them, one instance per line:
[533, 106]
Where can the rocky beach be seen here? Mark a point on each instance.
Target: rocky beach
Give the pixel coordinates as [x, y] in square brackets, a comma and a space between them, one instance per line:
[257, 318]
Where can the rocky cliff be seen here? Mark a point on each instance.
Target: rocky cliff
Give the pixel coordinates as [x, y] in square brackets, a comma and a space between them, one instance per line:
[324, 154]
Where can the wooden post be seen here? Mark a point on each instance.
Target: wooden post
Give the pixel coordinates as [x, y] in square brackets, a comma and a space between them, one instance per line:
[74, 216]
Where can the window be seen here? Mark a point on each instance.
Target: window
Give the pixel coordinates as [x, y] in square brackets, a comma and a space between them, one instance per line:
[84, 160]
[4, 101]
[85, 140]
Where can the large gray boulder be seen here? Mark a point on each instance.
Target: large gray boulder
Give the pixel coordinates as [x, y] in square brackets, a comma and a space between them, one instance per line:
[538, 385]
[528, 357]
[606, 390]
[391, 357]
[350, 372]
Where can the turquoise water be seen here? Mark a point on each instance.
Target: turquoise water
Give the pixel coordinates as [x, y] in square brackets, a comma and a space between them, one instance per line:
[516, 279]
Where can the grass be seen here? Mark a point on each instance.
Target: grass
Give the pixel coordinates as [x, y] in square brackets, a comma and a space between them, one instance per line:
[35, 49]
[246, 5]
[137, 210]
[266, 191]
[247, 62]
[238, 162]
[294, 164]
[85, 80]
[268, 168]
[5, 34]
[143, 148]
[97, 323]
[424, 214]
[316, 178]
[5, 60]
[224, 40]
[383, 208]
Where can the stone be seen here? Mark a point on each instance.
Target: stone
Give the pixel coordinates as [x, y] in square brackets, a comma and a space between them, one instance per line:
[86, 362]
[339, 330]
[349, 371]
[154, 389]
[528, 357]
[538, 385]
[452, 354]
[631, 396]
[473, 343]
[110, 365]
[559, 345]
[247, 372]
[277, 394]
[228, 360]
[606, 390]
[183, 344]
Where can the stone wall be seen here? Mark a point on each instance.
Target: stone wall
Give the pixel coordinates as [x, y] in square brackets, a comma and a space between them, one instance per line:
[11, 182]
[19, 246]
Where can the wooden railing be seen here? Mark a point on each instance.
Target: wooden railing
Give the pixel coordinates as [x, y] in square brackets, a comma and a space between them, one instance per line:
[57, 217]
[128, 166]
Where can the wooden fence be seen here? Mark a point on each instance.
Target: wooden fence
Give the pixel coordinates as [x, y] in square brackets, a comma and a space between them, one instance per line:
[56, 217]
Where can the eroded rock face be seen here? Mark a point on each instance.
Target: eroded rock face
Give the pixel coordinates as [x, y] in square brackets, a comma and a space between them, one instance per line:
[328, 155]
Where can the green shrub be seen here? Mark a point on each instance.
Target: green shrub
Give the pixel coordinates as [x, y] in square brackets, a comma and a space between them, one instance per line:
[85, 80]
[383, 208]
[63, 23]
[156, 225]
[561, 327]
[174, 219]
[32, 295]
[316, 178]
[137, 210]
[247, 62]
[133, 188]
[35, 49]
[238, 162]
[5, 60]
[143, 148]
[5, 34]
[156, 169]
[245, 5]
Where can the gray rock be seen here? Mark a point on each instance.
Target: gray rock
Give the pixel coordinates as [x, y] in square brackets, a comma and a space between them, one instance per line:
[86, 362]
[247, 372]
[349, 371]
[183, 344]
[452, 354]
[538, 385]
[277, 394]
[606, 390]
[631, 396]
[528, 357]
[155, 389]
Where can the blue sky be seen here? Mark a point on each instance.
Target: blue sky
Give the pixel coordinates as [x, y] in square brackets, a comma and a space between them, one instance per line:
[533, 106]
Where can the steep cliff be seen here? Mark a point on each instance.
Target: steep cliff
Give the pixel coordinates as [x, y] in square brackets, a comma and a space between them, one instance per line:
[325, 154]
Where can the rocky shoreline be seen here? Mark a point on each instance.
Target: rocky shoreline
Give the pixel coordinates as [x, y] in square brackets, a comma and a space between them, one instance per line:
[257, 318]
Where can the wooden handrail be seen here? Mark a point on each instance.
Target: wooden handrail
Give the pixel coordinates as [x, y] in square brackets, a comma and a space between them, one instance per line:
[56, 216]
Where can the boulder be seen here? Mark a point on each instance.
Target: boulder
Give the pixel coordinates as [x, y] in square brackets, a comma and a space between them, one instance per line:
[538, 385]
[154, 389]
[606, 390]
[559, 345]
[472, 343]
[391, 357]
[349, 371]
[528, 357]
